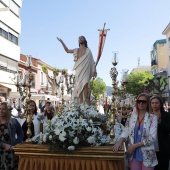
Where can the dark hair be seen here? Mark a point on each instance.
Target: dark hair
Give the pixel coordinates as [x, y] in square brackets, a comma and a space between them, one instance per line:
[51, 114]
[48, 102]
[85, 41]
[160, 101]
[8, 113]
[32, 101]
[148, 102]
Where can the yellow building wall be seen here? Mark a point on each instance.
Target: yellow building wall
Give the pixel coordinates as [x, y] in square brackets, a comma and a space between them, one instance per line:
[162, 56]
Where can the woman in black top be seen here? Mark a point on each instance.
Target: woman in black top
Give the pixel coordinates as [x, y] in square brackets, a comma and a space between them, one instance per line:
[124, 113]
[162, 144]
[48, 111]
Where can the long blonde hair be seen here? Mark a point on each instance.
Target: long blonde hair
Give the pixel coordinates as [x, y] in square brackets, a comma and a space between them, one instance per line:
[8, 113]
[148, 109]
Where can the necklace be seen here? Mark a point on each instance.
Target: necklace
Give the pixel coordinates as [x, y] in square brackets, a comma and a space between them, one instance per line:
[139, 123]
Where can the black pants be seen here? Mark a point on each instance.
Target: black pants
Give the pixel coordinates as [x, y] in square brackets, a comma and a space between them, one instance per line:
[163, 161]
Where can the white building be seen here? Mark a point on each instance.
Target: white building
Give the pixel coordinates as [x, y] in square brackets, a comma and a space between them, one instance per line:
[10, 29]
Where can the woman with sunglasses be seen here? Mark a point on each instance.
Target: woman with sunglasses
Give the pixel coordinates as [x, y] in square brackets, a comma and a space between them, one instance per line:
[162, 144]
[140, 133]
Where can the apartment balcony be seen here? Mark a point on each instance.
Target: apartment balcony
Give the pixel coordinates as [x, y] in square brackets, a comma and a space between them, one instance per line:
[153, 63]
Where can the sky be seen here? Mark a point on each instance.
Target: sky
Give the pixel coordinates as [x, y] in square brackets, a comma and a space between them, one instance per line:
[134, 27]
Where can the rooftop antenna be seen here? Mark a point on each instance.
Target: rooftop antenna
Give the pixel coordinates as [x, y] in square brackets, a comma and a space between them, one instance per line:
[138, 61]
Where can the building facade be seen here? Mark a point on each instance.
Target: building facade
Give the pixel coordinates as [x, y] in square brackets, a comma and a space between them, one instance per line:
[166, 32]
[159, 64]
[10, 30]
[159, 56]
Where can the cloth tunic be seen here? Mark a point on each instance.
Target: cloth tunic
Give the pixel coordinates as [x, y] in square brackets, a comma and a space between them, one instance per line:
[84, 68]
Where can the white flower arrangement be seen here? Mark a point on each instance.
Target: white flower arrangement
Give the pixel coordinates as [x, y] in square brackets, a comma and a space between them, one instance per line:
[73, 127]
[118, 129]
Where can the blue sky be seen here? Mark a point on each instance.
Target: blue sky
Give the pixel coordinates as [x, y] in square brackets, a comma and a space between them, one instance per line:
[134, 27]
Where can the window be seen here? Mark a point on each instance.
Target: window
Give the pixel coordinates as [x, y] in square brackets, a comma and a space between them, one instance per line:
[4, 34]
[33, 81]
[10, 36]
[151, 55]
[13, 38]
[155, 55]
[42, 79]
[21, 74]
[169, 42]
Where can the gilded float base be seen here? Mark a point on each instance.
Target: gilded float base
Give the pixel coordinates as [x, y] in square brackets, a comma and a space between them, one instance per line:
[38, 157]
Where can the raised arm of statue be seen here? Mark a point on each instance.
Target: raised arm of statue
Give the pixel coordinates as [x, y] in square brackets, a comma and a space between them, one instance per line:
[64, 46]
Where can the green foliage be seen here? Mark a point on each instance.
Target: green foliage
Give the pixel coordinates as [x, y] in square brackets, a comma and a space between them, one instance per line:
[56, 70]
[98, 87]
[136, 82]
[44, 68]
[64, 71]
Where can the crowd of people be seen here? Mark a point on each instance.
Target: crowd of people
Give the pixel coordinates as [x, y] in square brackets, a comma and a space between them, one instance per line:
[14, 130]
[147, 135]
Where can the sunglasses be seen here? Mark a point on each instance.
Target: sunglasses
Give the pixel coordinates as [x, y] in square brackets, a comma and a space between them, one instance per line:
[141, 101]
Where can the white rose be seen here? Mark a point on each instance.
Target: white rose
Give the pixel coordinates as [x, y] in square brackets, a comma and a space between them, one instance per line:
[57, 131]
[63, 133]
[76, 140]
[62, 138]
[91, 139]
[44, 138]
[50, 137]
[90, 121]
[88, 129]
[71, 148]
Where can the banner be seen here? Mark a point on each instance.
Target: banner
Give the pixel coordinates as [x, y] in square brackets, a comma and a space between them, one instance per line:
[102, 38]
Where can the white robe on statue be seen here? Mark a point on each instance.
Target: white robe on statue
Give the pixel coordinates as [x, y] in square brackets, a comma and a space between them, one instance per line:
[84, 68]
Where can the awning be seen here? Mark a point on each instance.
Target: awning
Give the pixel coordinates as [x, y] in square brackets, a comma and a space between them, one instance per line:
[34, 91]
[12, 87]
[44, 97]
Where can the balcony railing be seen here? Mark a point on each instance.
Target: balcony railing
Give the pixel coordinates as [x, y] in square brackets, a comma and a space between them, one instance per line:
[154, 62]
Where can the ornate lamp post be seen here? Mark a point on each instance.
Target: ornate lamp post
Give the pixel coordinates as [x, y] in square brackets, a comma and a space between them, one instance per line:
[24, 88]
[119, 99]
[113, 75]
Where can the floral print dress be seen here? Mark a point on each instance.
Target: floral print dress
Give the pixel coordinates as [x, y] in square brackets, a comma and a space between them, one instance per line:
[8, 161]
[148, 137]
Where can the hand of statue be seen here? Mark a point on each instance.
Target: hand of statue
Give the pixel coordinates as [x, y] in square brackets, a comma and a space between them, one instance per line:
[59, 39]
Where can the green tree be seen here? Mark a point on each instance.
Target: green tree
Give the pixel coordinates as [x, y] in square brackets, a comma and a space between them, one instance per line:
[136, 81]
[98, 87]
